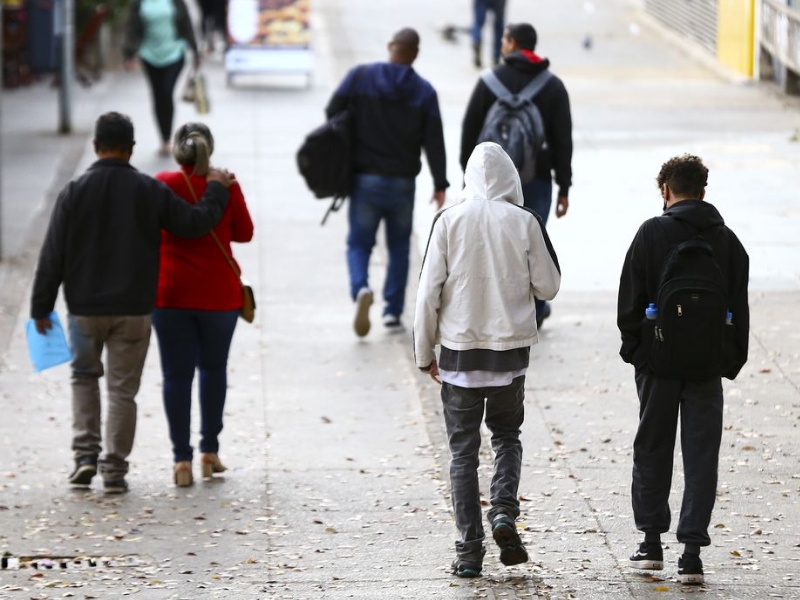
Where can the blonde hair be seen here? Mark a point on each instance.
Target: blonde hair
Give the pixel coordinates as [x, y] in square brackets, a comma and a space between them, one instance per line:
[193, 145]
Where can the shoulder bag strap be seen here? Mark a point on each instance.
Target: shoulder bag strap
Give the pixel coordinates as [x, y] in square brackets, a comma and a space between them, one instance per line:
[494, 84]
[213, 235]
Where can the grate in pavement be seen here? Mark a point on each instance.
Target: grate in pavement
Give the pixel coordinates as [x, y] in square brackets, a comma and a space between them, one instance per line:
[40, 563]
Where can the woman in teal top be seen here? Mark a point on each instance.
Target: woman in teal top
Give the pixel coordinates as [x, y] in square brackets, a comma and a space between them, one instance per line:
[158, 32]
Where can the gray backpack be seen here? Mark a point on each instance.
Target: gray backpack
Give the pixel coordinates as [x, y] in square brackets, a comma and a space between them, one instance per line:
[515, 122]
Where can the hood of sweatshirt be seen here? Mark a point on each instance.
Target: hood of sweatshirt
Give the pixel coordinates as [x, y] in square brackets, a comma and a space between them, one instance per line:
[700, 215]
[526, 61]
[394, 81]
[491, 175]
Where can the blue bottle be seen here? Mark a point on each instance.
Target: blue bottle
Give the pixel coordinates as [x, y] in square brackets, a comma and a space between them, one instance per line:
[729, 318]
[651, 312]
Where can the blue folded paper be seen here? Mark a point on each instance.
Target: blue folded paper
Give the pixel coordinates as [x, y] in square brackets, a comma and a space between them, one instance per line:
[48, 349]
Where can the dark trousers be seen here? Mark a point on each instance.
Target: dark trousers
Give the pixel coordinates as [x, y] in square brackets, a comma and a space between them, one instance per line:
[480, 8]
[190, 339]
[700, 406]
[162, 86]
[463, 414]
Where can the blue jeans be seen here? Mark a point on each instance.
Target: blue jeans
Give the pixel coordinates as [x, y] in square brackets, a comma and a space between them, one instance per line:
[463, 410]
[537, 194]
[481, 7]
[375, 198]
[189, 339]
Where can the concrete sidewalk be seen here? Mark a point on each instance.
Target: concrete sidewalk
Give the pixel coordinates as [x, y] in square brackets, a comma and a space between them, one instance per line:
[337, 487]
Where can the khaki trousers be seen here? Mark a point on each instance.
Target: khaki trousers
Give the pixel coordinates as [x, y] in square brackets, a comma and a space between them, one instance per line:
[125, 339]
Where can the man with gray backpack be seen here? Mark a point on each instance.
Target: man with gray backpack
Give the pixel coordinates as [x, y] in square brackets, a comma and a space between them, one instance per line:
[684, 318]
[522, 106]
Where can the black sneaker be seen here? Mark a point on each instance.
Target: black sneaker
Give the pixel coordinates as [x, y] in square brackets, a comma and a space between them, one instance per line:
[690, 569]
[118, 486]
[466, 569]
[392, 323]
[85, 470]
[648, 556]
[504, 532]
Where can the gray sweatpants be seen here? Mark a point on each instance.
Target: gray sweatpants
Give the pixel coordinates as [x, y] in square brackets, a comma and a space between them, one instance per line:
[126, 339]
[463, 414]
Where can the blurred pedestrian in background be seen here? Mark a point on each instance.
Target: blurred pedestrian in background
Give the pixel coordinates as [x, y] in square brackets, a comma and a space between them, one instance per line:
[396, 117]
[102, 244]
[480, 8]
[520, 66]
[486, 259]
[158, 32]
[213, 14]
[199, 297]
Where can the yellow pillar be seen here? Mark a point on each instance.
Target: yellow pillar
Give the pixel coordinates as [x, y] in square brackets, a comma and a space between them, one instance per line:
[735, 34]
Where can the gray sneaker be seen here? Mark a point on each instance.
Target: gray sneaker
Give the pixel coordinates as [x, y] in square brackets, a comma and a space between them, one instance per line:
[504, 532]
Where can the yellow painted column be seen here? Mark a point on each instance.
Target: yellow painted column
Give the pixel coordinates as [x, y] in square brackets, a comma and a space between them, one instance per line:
[735, 34]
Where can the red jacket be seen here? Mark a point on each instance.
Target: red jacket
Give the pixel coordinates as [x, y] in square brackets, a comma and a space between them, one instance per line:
[193, 272]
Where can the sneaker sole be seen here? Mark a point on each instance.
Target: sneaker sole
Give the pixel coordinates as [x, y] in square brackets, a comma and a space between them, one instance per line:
[115, 490]
[361, 323]
[693, 579]
[649, 565]
[84, 475]
[512, 552]
[467, 574]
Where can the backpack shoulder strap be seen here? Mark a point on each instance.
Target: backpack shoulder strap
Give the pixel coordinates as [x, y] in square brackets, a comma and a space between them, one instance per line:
[536, 84]
[494, 84]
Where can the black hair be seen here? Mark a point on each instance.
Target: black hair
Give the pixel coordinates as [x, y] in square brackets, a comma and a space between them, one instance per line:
[685, 175]
[113, 131]
[522, 33]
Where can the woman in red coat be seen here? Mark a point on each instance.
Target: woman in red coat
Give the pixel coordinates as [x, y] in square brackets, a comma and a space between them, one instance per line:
[199, 297]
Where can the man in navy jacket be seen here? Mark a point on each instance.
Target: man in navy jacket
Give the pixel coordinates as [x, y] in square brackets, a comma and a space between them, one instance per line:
[396, 117]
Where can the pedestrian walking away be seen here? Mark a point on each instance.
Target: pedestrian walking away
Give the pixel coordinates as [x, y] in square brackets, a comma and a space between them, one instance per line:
[684, 319]
[158, 33]
[520, 66]
[396, 117]
[102, 244]
[476, 300]
[197, 307]
[213, 17]
[480, 8]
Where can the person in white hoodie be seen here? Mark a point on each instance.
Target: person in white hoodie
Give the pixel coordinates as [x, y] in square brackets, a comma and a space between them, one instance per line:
[487, 260]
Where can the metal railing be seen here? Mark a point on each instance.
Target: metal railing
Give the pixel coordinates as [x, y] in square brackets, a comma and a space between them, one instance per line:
[780, 32]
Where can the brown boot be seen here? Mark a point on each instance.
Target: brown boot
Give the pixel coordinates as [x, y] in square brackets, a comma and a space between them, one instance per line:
[211, 464]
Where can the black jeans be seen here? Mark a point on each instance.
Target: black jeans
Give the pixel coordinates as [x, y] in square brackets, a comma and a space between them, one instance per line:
[700, 407]
[463, 414]
[162, 85]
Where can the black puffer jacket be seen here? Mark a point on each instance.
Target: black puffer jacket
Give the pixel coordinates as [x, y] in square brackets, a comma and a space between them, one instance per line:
[553, 103]
[642, 270]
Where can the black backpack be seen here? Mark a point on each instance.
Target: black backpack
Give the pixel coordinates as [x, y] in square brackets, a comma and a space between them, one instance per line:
[690, 332]
[325, 159]
[515, 123]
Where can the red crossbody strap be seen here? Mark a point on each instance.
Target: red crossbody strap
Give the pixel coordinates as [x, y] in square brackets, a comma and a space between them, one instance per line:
[214, 235]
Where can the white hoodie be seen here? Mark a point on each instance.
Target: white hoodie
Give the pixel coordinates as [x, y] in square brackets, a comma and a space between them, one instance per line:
[487, 258]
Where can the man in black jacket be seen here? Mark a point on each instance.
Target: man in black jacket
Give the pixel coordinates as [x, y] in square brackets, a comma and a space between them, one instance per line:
[682, 182]
[103, 245]
[520, 65]
[396, 117]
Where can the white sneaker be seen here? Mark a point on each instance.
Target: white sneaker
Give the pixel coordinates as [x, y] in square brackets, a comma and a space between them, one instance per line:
[361, 323]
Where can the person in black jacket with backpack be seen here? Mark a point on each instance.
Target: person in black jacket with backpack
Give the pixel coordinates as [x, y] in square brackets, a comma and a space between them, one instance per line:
[671, 267]
[521, 65]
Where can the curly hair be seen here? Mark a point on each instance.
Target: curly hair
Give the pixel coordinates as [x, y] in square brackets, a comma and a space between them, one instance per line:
[685, 175]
